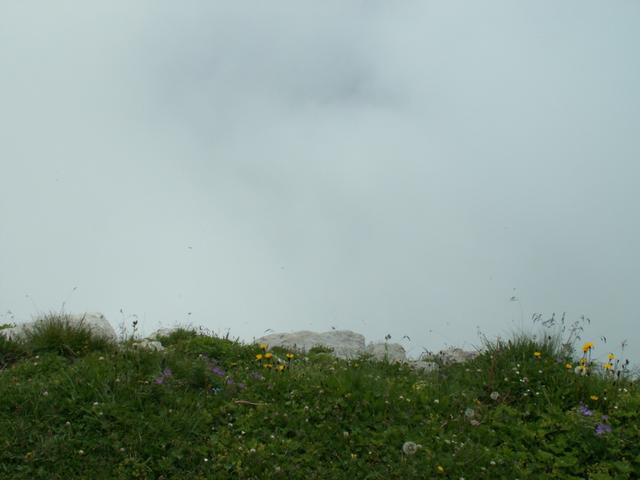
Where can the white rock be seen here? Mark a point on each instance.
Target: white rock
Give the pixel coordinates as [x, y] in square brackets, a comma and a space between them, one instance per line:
[148, 345]
[422, 365]
[393, 352]
[13, 333]
[452, 355]
[345, 343]
[96, 322]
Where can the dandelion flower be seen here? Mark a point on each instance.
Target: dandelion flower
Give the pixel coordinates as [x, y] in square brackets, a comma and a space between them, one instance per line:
[263, 346]
[587, 346]
[594, 397]
[537, 354]
[611, 356]
[608, 366]
[409, 448]
[259, 356]
[290, 356]
[268, 355]
[568, 366]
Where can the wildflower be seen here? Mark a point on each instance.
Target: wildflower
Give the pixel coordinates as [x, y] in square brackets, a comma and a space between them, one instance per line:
[469, 412]
[608, 366]
[80, 452]
[280, 368]
[166, 373]
[290, 356]
[45, 393]
[474, 422]
[494, 396]
[584, 410]
[568, 366]
[268, 365]
[268, 355]
[259, 356]
[537, 354]
[353, 456]
[594, 398]
[263, 346]
[587, 346]
[603, 428]
[218, 371]
[409, 448]
[440, 469]
[581, 370]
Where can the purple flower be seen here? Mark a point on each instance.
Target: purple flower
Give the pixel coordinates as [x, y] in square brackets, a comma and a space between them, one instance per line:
[218, 371]
[166, 373]
[603, 428]
[230, 381]
[584, 410]
[242, 385]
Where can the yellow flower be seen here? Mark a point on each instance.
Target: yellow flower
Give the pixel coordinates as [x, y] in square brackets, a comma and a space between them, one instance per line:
[280, 368]
[263, 346]
[268, 365]
[290, 356]
[440, 469]
[583, 361]
[353, 456]
[568, 366]
[537, 354]
[611, 356]
[587, 346]
[268, 355]
[608, 366]
[594, 398]
[259, 356]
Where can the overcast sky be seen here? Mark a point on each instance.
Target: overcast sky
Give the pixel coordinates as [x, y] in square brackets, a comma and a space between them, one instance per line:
[402, 168]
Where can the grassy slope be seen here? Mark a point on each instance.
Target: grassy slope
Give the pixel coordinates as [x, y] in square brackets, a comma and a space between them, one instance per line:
[74, 407]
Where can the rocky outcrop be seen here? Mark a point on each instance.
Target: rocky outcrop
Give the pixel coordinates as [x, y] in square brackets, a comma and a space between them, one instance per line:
[393, 352]
[96, 322]
[344, 343]
[450, 355]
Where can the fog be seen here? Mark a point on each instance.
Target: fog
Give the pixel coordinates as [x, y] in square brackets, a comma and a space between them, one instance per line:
[416, 168]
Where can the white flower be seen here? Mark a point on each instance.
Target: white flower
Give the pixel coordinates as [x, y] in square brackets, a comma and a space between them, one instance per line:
[494, 396]
[409, 448]
[469, 413]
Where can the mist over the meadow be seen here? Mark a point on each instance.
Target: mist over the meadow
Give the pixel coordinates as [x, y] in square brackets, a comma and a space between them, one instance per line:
[408, 168]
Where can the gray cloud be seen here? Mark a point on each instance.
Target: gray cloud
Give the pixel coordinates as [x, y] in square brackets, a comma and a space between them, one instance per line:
[384, 168]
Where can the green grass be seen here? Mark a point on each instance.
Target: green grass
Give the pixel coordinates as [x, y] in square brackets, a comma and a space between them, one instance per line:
[76, 407]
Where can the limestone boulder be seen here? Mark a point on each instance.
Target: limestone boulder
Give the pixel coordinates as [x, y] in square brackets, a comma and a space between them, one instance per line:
[148, 344]
[393, 352]
[423, 366]
[96, 322]
[345, 343]
[451, 355]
